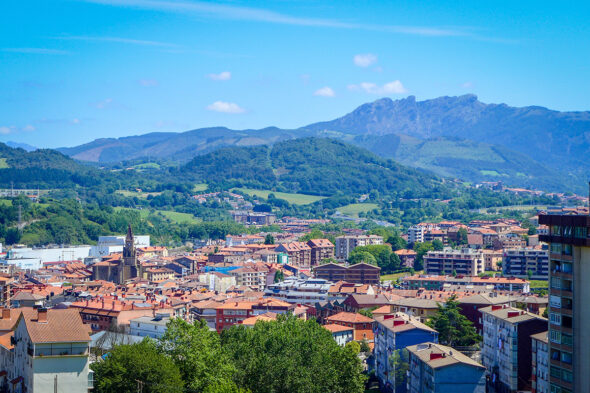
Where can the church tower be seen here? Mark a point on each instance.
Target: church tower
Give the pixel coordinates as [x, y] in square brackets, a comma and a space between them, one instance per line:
[129, 252]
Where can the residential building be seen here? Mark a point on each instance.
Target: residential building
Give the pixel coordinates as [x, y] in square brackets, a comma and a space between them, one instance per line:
[436, 368]
[393, 333]
[421, 309]
[470, 306]
[361, 325]
[299, 253]
[440, 283]
[519, 262]
[569, 275]
[253, 218]
[416, 234]
[540, 363]
[506, 349]
[49, 350]
[250, 276]
[342, 334]
[153, 327]
[491, 259]
[232, 313]
[345, 244]
[467, 262]
[320, 249]
[206, 310]
[407, 257]
[300, 290]
[360, 273]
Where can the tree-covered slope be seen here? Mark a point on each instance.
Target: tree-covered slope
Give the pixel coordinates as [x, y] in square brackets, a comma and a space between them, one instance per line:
[310, 165]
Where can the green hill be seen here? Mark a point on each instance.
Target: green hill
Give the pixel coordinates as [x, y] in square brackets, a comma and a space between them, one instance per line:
[314, 166]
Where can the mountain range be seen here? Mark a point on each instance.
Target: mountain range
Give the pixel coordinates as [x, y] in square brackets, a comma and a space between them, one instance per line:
[457, 137]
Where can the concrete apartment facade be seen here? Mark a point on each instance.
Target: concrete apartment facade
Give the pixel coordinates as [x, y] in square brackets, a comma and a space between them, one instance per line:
[540, 363]
[506, 349]
[518, 262]
[569, 319]
[345, 244]
[466, 262]
[436, 368]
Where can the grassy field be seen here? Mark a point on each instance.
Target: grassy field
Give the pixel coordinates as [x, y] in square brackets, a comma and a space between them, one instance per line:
[200, 187]
[355, 208]
[3, 163]
[395, 276]
[539, 284]
[296, 199]
[140, 195]
[177, 217]
[147, 165]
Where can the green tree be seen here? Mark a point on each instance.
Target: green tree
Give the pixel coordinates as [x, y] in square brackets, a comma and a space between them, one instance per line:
[269, 239]
[127, 364]
[198, 354]
[292, 355]
[365, 348]
[462, 236]
[354, 346]
[437, 245]
[279, 276]
[454, 328]
[361, 256]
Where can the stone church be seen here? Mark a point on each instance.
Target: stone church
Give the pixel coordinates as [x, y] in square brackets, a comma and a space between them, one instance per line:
[119, 270]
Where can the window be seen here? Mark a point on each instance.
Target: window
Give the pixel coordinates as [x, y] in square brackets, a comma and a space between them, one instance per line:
[566, 357]
[555, 319]
[555, 336]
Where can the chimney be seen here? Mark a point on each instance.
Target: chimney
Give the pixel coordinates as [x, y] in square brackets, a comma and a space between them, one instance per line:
[5, 313]
[42, 315]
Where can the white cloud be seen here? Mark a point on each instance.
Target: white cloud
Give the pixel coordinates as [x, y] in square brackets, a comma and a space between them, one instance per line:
[394, 87]
[36, 51]
[120, 40]
[324, 92]
[225, 107]
[6, 130]
[75, 121]
[234, 12]
[28, 127]
[148, 82]
[365, 60]
[467, 85]
[222, 76]
[104, 103]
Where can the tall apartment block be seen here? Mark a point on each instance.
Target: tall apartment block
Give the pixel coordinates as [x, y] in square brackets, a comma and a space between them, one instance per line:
[345, 244]
[519, 262]
[569, 293]
[466, 262]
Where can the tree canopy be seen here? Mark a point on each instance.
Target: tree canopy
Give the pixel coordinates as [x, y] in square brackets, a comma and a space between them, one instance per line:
[453, 327]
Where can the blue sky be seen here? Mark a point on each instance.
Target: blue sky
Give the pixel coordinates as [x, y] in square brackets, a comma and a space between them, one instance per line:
[73, 71]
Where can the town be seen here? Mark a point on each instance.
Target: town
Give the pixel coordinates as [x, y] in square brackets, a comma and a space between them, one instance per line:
[486, 304]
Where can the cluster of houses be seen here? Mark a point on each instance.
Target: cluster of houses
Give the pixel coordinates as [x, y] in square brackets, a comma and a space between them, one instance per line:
[58, 317]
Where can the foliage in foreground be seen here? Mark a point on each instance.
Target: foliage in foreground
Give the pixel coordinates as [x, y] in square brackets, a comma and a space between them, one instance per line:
[287, 355]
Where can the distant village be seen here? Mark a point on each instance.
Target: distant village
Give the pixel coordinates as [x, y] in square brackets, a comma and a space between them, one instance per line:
[69, 300]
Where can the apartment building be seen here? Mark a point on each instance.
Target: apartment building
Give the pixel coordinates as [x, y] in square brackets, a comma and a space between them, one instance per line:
[345, 244]
[569, 275]
[519, 262]
[252, 277]
[48, 352]
[491, 259]
[441, 283]
[361, 325]
[436, 368]
[360, 273]
[540, 363]
[299, 253]
[320, 249]
[300, 291]
[466, 262]
[153, 327]
[393, 333]
[506, 351]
